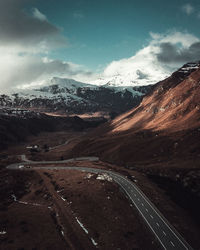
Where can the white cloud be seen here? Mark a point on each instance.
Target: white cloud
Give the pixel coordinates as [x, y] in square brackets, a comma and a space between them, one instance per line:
[78, 15]
[37, 14]
[25, 42]
[188, 9]
[28, 70]
[164, 54]
[174, 37]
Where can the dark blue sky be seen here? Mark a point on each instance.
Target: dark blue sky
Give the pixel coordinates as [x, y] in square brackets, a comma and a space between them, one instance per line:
[100, 31]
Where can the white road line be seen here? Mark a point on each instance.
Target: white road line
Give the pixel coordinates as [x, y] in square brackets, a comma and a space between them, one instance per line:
[142, 204]
[157, 224]
[145, 219]
[176, 234]
[138, 199]
[172, 243]
[147, 210]
[164, 233]
[151, 216]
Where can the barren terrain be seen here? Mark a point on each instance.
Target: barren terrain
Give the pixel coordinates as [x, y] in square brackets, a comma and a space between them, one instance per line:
[83, 195]
[60, 209]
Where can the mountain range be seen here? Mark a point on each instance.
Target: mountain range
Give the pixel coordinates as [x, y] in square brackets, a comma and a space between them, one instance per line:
[69, 96]
[164, 126]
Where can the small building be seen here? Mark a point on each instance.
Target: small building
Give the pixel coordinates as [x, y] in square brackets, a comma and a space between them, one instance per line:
[33, 148]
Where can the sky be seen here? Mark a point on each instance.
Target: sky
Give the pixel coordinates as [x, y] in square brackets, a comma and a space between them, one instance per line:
[88, 39]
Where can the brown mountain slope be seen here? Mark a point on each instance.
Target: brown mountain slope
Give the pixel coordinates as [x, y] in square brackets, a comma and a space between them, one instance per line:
[159, 140]
[170, 107]
[164, 126]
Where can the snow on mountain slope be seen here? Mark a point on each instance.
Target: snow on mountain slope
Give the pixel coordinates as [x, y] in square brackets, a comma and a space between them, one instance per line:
[68, 95]
[139, 70]
[166, 122]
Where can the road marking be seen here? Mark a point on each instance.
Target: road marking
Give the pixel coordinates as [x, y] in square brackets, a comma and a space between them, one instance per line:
[145, 219]
[138, 199]
[151, 216]
[176, 234]
[172, 243]
[147, 210]
[164, 233]
[135, 195]
[142, 204]
[157, 224]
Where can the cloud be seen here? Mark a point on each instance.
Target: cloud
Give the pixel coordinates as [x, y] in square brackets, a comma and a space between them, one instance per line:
[163, 55]
[26, 38]
[37, 14]
[24, 29]
[170, 53]
[188, 9]
[30, 70]
[78, 15]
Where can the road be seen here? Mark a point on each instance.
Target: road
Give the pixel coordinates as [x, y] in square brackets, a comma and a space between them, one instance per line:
[58, 146]
[166, 234]
[26, 161]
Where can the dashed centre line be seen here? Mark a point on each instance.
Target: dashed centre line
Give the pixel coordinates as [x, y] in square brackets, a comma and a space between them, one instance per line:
[172, 243]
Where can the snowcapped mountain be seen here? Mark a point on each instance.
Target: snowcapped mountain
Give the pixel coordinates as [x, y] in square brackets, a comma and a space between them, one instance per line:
[125, 73]
[140, 70]
[168, 118]
[70, 96]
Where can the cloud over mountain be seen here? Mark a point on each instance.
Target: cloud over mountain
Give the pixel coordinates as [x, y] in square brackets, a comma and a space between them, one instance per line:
[158, 59]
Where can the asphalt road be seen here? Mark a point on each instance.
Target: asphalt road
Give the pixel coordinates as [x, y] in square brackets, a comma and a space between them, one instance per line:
[168, 237]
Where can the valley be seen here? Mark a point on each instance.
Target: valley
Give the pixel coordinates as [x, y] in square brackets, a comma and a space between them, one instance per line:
[71, 194]
[52, 163]
[99, 125]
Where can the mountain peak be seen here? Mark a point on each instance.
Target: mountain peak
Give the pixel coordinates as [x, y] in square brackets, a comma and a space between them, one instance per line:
[189, 67]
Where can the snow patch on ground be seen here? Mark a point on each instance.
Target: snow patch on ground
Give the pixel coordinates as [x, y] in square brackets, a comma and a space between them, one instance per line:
[89, 175]
[104, 177]
[94, 242]
[85, 230]
[3, 232]
[63, 198]
[24, 202]
[58, 191]
[14, 197]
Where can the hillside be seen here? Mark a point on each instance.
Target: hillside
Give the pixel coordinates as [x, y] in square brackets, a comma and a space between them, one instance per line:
[16, 125]
[164, 126]
[159, 139]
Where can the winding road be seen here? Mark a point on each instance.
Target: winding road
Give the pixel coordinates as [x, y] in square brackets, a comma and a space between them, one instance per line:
[166, 234]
